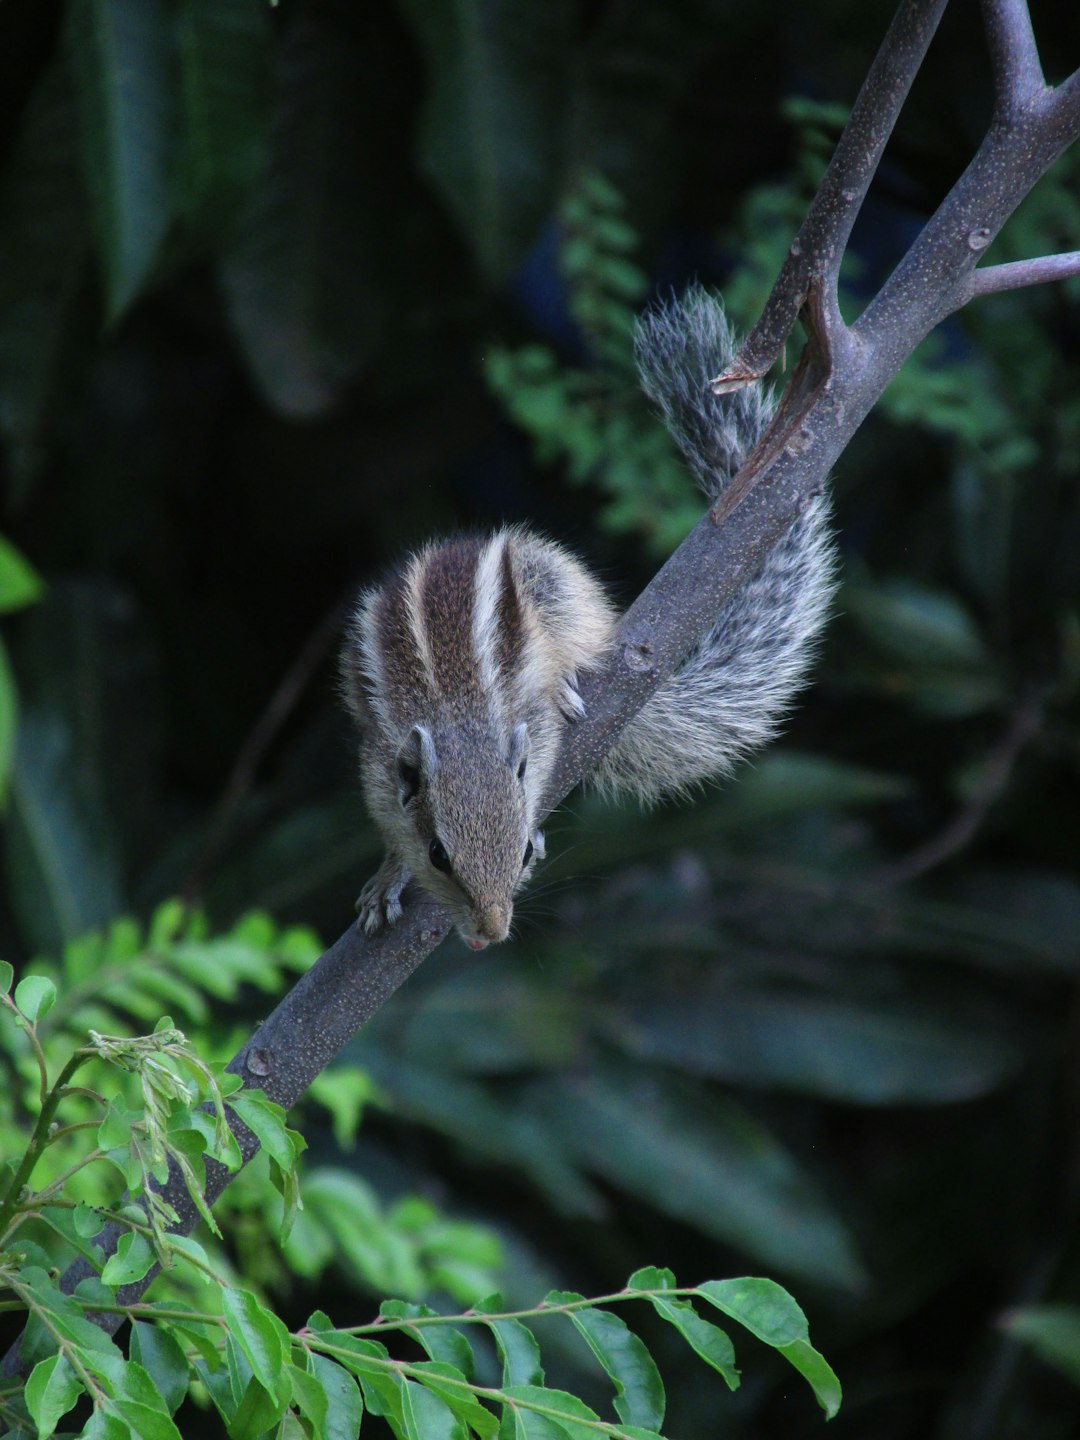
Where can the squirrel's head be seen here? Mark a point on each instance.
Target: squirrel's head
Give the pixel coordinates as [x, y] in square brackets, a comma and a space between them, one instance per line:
[469, 841]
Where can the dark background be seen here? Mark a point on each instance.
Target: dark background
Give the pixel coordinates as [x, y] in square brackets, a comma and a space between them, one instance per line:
[284, 291]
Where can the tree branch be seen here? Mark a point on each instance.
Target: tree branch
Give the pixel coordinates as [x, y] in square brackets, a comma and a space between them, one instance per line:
[994, 278]
[1014, 56]
[818, 248]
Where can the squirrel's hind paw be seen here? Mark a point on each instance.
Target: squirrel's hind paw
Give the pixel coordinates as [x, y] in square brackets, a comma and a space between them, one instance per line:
[379, 902]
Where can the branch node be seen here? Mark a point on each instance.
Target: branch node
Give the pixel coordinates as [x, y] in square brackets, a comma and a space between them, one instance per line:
[979, 239]
[258, 1061]
[638, 654]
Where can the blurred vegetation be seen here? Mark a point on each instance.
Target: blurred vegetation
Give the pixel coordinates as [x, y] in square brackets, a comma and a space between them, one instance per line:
[283, 291]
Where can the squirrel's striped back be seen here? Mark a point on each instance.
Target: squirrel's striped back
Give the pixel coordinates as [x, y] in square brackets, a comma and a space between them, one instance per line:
[468, 627]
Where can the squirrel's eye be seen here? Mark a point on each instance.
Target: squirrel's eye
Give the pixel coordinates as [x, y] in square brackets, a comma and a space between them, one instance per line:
[438, 856]
[410, 781]
[521, 770]
[528, 854]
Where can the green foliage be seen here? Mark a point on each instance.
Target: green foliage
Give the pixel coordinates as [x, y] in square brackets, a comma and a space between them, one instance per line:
[595, 421]
[232, 1349]
[19, 586]
[1052, 1332]
[490, 128]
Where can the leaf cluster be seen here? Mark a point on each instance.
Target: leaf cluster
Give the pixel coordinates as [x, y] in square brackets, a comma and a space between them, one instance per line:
[237, 1353]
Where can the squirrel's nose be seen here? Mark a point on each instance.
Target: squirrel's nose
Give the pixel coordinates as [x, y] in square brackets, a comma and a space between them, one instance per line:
[493, 923]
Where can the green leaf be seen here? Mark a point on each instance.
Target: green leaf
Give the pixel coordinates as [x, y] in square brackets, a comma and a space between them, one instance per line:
[639, 1390]
[442, 1342]
[51, 1391]
[259, 1334]
[344, 1405]
[138, 1386]
[367, 1360]
[133, 1258]
[818, 1373]
[115, 1128]
[267, 1121]
[717, 1167]
[528, 1425]
[931, 633]
[492, 127]
[86, 1221]
[427, 1417]
[762, 1306]
[156, 1349]
[297, 276]
[344, 1211]
[473, 1114]
[106, 1424]
[558, 1409]
[63, 873]
[706, 1339]
[259, 1409]
[224, 51]
[516, 1343]
[1052, 1332]
[382, 1395]
[769, 1312]
[35, 996]
[144, 1422]
[45, 322]
[20, 584]
[7, 975]
[344, 1090]
[867, 1052]
[119, 52]
[450, 1384]
[309, 1395]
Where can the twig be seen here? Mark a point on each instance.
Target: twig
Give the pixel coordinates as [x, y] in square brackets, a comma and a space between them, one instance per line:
[818, 248]
[994, 278]
[997, 770]
[263, 734]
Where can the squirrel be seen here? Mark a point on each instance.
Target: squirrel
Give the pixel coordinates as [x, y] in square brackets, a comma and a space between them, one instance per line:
[461, 668]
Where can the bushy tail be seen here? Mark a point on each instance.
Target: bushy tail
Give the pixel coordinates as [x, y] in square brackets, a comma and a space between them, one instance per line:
[731, 692]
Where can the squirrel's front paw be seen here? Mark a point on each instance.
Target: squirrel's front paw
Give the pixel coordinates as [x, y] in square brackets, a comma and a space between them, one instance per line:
[379, 902]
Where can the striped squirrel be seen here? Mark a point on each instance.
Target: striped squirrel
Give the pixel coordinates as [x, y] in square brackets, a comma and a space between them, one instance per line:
[461, 667]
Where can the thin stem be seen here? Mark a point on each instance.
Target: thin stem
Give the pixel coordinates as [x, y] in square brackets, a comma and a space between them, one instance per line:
[30, 1032]
[997, 771]
[75, 1125]
[38, 1140]
[156, 1312]
[59, 1181]
[280, 706]
[992, 279]
[315, 1340]
[69, 1351]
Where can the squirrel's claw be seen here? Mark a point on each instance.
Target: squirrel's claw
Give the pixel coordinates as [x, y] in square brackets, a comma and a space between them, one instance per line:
[379, 902]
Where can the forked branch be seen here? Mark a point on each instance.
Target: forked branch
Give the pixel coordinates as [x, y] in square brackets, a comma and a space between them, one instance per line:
[818, 248]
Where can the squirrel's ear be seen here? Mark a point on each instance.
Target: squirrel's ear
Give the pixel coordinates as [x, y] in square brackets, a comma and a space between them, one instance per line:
[417, 760]
[519, 750]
